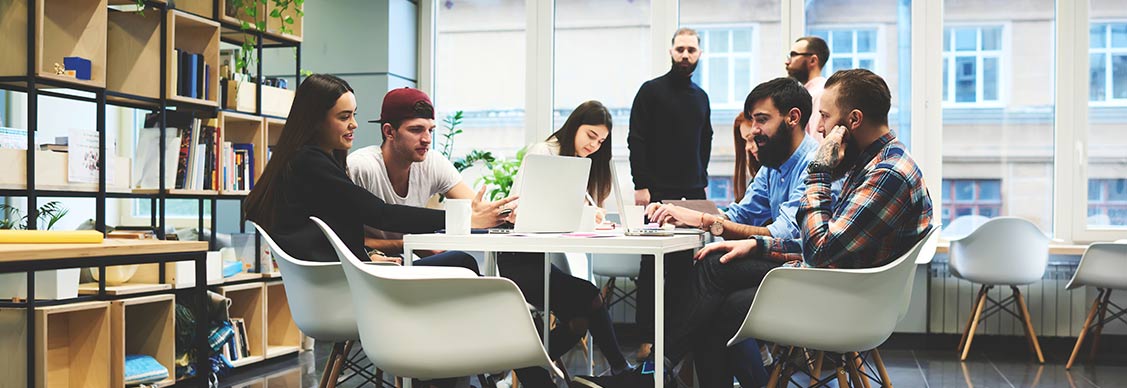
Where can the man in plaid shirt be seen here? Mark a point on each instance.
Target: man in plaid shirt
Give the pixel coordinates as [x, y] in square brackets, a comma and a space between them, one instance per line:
[884, 209]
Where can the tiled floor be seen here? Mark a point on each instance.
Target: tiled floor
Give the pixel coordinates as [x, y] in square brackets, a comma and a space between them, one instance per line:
[931, 368]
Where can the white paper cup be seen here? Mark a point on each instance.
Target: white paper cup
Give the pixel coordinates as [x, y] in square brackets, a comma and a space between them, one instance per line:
[635, 215]
[458, 215]
[587, 219]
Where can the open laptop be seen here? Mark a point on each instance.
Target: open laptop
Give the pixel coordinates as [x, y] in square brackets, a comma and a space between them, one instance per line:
[551, 193]
[631, 230]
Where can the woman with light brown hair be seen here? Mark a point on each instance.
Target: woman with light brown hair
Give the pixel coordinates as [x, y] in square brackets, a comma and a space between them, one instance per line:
[747, 158]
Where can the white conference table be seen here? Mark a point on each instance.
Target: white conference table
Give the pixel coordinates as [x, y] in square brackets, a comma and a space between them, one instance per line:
[550, 243]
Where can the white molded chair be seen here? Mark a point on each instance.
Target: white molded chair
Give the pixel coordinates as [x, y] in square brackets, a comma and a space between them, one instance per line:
[1005, 251]
[309, 285]
[1104, 266]
[439, 322]
[962, 226]
[614, 266]
[832, 310]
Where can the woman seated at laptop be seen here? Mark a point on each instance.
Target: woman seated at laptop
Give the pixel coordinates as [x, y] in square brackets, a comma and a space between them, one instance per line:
[575, 302]
[307, 176]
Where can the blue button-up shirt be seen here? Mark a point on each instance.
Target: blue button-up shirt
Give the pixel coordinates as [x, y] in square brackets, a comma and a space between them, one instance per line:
[774, 194]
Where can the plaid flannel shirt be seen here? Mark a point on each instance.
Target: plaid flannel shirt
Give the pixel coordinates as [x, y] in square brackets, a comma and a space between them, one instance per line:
[884, 209]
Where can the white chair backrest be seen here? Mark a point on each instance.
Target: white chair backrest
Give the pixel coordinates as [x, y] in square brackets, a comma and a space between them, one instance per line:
[962, 226]
[1104, 265]
[438, 322]
[837, 310]
[616, 264]
[927, 252]
[1004, 250]
[317, 293]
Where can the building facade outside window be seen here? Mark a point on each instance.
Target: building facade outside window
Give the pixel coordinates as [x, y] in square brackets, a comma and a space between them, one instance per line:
[1107, 64]
[1107, 202]
[972, 64]
[725, 68]
[850, 48]
[965, 197]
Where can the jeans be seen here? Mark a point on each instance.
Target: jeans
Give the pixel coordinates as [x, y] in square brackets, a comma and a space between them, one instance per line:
[676, 265]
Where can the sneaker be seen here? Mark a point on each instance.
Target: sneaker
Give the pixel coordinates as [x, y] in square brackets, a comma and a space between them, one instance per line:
[765, 353]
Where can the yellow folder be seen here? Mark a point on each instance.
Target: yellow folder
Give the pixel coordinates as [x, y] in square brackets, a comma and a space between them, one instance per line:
[49, 236]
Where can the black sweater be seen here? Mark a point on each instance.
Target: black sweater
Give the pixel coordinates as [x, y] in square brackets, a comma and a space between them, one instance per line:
[670, 135]
[317, 186]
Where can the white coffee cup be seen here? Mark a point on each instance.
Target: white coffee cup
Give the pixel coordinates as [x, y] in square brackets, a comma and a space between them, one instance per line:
[587, 219]
[635, 215]
[458, 215]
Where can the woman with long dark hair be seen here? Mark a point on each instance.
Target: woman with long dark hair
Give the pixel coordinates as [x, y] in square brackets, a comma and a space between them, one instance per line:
[747, 162]
[575, 302]
[307, 176]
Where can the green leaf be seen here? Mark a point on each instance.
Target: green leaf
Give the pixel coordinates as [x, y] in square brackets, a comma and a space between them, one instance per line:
[288, 19]
[276, 13]
[244, 25]
[260, 25]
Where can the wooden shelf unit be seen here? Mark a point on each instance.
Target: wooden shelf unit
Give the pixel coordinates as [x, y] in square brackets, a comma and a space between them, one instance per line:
[145, 325]
[273, 25]
[51, 172]
[72, 344]
[64, 28]
[282, 335]
[133, 53]
[244, 128]
[248, 301]
[193, 34]
[231, 14]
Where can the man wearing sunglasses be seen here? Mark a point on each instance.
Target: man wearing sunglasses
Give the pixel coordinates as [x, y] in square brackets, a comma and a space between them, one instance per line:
[808, 55]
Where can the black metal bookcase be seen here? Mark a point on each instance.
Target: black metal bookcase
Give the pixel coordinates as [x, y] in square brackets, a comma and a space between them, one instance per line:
[35, 85]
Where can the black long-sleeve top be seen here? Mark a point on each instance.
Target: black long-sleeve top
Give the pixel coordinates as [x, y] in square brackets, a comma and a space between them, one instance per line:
[670, 137]
[318, 186]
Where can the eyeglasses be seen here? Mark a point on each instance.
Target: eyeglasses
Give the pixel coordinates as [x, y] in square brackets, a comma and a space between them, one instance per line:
[796, 54]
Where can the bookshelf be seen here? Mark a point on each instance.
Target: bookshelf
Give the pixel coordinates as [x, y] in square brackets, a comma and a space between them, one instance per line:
[196, 35]
[273, 25]
[63, 28]
[75, 342]
[144, 325]
[72, 345]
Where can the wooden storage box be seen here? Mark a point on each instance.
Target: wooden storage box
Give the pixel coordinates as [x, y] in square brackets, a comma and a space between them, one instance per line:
[193, 34]
[241, 94]
[64, 28]
[180, 274]
[282, 334]
[274, 25]
[244, 128]
[51, 172]
[133, 53]
[248, 301]
[72, 346]
[145, 325]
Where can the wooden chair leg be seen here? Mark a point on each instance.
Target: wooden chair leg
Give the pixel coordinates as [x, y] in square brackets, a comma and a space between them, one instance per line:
[880, 368]
[516, 383]
[773, 381]
[974, 323]
[842, 381]
[329, 364]
[1084, 330]
[817, 375]
[977, 301]
[1100, 325]
[340, 363]
[607, 291]
[854, 376]
[1028, 324]
[860, 365]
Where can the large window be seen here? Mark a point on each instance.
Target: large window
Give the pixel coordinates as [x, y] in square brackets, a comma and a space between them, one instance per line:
[720, 190]
[480, 69]
[972, 64]
[1108, 62]
[971, 197]
[850, 48]
[725, 68]
[1107, 202]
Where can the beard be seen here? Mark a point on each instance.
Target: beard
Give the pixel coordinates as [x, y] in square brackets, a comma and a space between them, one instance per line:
[684, 68]
[849, 160]
[801, 74]
[773, 150]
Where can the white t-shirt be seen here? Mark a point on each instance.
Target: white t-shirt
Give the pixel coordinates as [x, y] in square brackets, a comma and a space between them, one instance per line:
[433, 175]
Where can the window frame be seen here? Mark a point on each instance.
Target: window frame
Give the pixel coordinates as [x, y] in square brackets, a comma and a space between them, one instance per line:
[1108, 51]
[705, 30]
[948, 65]
[878, 53]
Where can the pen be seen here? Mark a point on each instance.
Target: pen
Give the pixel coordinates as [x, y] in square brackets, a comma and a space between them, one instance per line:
[589, 199]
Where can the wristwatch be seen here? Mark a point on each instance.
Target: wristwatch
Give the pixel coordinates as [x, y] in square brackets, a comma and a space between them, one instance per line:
[816, 167]
[717, 227]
